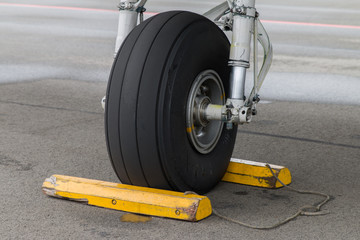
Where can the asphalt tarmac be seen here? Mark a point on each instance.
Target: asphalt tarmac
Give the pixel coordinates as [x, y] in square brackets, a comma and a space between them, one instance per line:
[54, 65]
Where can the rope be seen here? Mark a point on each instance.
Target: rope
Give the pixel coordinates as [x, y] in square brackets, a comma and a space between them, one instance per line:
[307, 210]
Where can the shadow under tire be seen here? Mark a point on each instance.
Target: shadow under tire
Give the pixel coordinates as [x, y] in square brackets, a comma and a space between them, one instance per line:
[146, 127]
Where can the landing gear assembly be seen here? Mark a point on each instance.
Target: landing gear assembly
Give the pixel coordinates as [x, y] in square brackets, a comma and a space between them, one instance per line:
[175, 95]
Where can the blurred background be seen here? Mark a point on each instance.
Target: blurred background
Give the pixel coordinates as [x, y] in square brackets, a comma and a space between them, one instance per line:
[316, 43]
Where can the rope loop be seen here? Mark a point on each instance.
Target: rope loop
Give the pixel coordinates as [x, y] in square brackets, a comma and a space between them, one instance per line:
[307, 210]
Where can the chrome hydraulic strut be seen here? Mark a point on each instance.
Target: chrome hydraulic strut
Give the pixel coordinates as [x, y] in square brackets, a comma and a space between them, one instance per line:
[241, 17]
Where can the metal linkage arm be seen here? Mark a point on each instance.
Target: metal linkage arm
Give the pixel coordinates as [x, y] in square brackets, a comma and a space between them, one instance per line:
[217, 12]
[263, 39]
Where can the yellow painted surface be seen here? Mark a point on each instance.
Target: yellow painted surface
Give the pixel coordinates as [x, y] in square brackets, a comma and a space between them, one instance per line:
[189, 130]
[148, 201]
[256, 174]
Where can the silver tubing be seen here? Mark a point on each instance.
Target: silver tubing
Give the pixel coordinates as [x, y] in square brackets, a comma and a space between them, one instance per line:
[129, 11]
[241, 39]
[237, 82]
[230, 3]
[127, 22]
[217, 12]
[215, 112]
[264, 40]
[255, 43]
[243, 23]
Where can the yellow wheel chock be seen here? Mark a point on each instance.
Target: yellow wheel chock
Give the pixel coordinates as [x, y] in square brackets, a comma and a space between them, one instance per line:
[256, 174]
[156, 202]
[142, 200]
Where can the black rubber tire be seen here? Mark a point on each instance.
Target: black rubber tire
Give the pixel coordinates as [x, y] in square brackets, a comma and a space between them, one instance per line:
[145, 114]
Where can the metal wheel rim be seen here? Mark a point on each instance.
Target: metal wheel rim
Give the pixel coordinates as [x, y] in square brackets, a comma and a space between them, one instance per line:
[207, 88]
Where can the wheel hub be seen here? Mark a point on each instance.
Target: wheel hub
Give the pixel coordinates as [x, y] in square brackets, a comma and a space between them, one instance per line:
[201, 102]
[206, 89]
